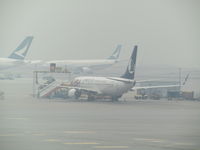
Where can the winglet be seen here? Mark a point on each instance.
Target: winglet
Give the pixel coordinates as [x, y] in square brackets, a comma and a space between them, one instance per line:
[21, 51]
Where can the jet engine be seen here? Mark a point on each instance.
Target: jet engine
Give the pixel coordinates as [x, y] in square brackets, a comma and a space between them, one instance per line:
[74, 93]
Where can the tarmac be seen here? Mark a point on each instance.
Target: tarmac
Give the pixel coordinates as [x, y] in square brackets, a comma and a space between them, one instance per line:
[29, 123]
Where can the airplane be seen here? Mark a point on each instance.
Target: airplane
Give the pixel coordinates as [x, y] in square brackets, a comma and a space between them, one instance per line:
[112, 87]
[16, 58]
[86, 66]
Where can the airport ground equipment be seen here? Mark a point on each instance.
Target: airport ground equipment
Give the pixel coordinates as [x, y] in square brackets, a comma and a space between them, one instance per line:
[188, 95]
[46, 83]
[141, 96]
[173, 94]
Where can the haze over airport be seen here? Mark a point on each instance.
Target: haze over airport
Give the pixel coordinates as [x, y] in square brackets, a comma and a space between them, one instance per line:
[167, 32]
[52, 97]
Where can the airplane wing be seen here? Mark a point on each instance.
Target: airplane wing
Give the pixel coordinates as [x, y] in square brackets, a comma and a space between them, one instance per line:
[82, 89]
[159, 86]
[154, 87]
[121, 79]
[148, 80]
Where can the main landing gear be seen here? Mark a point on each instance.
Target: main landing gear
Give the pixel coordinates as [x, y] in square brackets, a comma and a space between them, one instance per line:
[116, 98]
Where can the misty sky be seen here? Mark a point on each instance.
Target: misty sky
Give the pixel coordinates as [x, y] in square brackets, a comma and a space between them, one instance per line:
[166, 31]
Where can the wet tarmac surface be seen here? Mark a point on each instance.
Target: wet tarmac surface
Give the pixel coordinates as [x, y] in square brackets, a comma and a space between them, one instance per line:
[28, 123]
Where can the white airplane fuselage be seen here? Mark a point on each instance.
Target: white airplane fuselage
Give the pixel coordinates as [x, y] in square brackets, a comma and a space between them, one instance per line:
[114, 87]
[87, 65]
[9, 63]
[84, 63]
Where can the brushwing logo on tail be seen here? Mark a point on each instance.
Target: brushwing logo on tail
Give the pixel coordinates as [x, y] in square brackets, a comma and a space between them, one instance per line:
[116, 53]
[21, 51]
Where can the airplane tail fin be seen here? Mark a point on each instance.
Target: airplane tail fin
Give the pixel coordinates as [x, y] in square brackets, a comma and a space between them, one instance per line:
[115, 54]
[130, 71]
[21, 51]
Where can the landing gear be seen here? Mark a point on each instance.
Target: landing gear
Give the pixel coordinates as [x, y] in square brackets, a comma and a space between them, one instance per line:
[91, 97]
[77, 94]
[115, 98]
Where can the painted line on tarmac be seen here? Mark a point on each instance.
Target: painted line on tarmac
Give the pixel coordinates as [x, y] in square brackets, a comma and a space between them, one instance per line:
[79, 132]
[184, 144]
[111, 147]
[7, 135]
[165, 142]
[38, 134]
[81, 143]
[18, 118]
[52, 140]
[149, 140]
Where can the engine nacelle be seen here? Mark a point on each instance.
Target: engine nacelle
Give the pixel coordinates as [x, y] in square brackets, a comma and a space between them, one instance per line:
[73, 93]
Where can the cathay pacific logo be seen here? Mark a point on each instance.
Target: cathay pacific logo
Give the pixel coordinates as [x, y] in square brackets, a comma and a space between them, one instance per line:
[21, 52]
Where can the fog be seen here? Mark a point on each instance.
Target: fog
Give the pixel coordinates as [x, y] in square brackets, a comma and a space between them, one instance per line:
[48, 110]
[167, 32]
